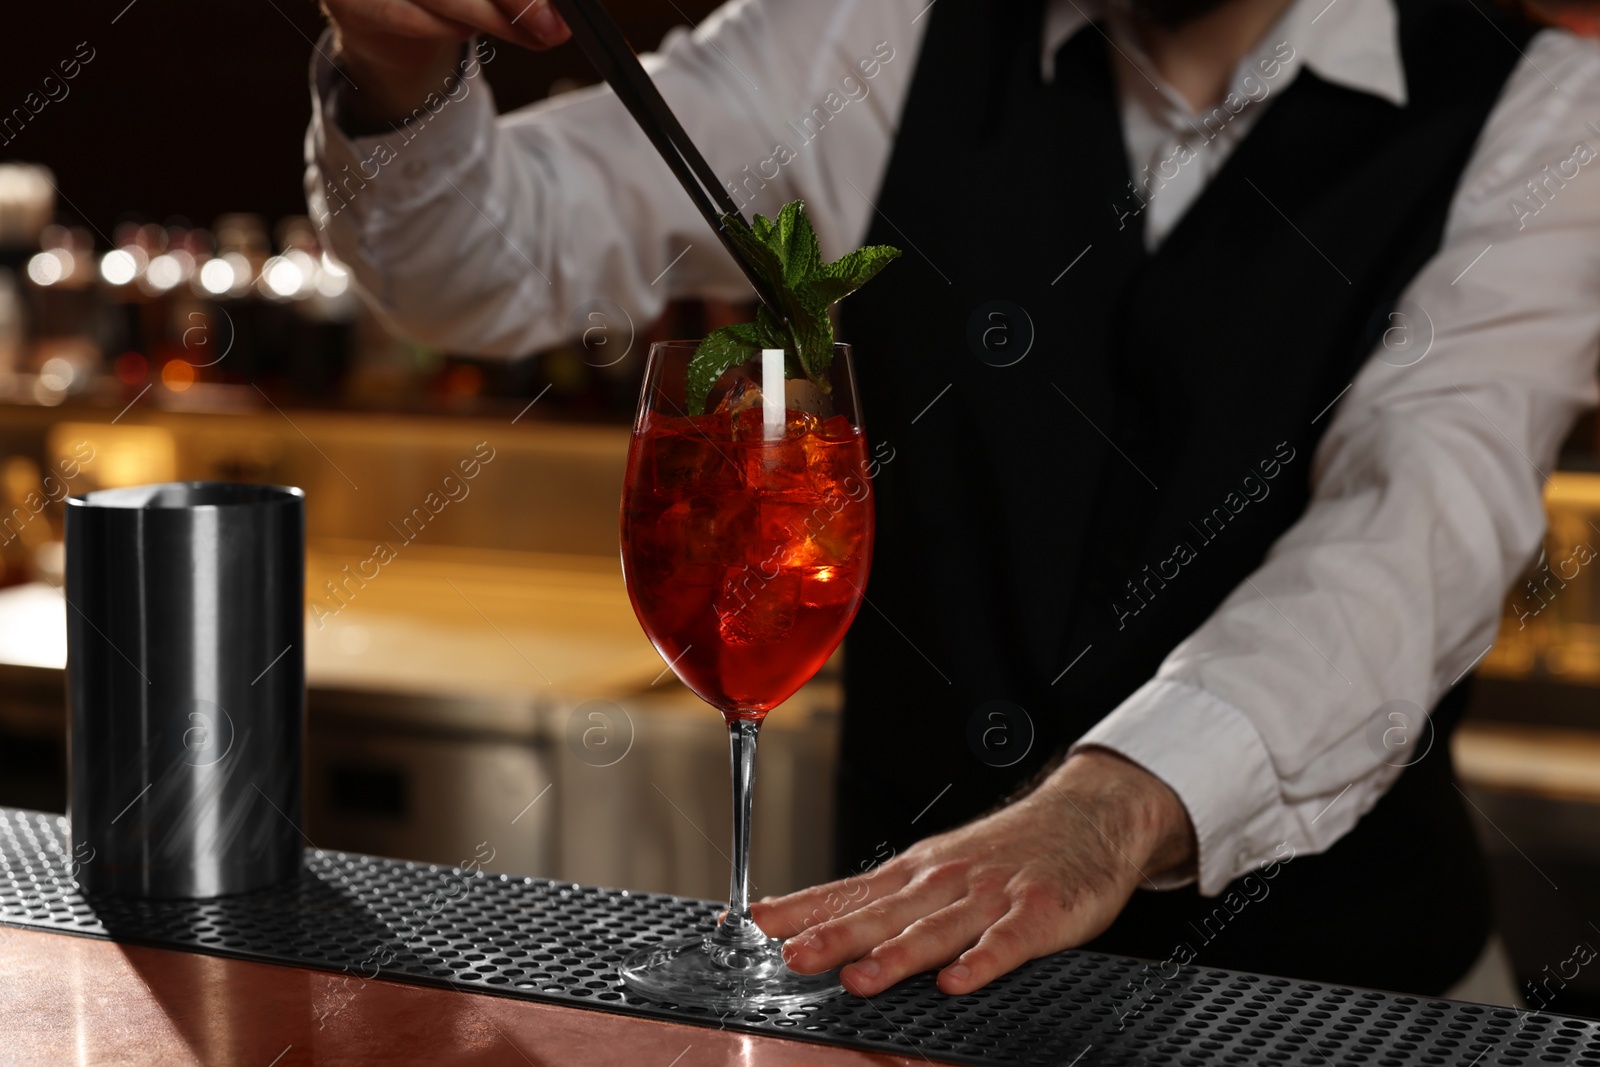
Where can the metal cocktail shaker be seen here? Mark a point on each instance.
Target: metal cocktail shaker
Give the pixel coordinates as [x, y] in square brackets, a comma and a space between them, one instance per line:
[186, 678]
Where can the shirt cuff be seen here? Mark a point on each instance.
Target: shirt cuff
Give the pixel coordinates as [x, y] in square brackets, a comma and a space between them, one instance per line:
[389, 173]
[1211, 755]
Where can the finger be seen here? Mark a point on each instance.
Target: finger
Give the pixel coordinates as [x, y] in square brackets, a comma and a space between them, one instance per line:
[926, 943]
[852, 936]
[788, 915]
[537, 19]
[1020, 935]
[403, 19]
[482, 15]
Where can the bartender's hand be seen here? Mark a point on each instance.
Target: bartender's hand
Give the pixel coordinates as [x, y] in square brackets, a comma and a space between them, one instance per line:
[1046, 873]
[396, 52]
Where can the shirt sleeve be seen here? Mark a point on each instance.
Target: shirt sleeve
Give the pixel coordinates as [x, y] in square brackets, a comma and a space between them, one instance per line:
[1426, 504]
[494, 235]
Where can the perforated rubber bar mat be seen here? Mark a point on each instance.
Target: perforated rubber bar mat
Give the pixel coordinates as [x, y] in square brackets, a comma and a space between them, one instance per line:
[560, 943]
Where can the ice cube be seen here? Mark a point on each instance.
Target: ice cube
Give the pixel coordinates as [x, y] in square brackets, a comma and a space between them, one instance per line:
[844, 537]
[680, 606]
[833, 462]
[753, 609]
[837, 428]
[798, 424]
[703, 530]
[784, 527]
[743, 408]
[743, 395]
[776, 466]
[684, 457]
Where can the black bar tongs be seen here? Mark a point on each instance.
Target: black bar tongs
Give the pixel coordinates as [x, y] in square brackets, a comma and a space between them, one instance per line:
[602, 41]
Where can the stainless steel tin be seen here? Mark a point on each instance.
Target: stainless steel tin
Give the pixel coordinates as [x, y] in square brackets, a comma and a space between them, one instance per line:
[186, 678]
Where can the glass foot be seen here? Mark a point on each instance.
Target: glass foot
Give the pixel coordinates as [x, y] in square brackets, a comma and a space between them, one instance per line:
[698, 972]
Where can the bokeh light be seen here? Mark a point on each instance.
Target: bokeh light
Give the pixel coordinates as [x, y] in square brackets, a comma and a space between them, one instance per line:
[57, 374]
[216, 277]
[284, 276]
[118, 267]
[132, 368]
[177, 375]
[163, 272]
[49, 267]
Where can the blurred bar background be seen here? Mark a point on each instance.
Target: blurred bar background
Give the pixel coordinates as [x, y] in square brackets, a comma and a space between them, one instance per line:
[166, 313]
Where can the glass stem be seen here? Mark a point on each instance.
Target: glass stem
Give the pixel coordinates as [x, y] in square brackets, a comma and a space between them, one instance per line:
[737, 929]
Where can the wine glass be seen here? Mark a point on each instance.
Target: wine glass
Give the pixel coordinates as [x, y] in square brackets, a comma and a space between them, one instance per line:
[746, 537]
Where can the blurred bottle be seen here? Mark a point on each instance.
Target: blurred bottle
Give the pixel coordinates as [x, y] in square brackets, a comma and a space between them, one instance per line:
[189, 344]
[233, 332]
[13, 327]
[27, 202]
[129, 317]
[61, 277]
[64, 348]
[315, 290]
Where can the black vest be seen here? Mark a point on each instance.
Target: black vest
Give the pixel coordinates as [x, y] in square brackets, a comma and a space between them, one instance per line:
[1030, 512]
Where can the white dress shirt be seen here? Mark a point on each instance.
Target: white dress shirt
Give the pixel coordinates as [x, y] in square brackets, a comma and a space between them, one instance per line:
[490, 236]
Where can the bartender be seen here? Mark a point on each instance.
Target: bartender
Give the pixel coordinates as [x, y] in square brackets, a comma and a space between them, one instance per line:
[1230, 349]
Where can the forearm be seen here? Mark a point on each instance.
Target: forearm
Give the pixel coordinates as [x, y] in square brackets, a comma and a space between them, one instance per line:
[1138, 813]
[394, 53]
[413, 211]
[387, 84]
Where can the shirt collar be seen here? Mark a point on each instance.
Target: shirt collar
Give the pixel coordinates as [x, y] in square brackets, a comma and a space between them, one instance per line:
[1354, 43]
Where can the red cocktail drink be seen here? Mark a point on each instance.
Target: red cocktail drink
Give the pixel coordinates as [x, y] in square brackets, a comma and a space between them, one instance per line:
[746, 537]
[746, 546]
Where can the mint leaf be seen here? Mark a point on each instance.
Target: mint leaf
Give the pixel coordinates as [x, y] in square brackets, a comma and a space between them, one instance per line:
[859, 267]
[823, 292]
[845, 275]
[795, 242]
[811, 333]
[761, 228]
[813, 342]
[777, 335]
[785, 254]
[771, 325]
[756, 250]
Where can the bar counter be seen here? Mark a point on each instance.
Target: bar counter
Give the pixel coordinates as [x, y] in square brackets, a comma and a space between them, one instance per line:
[75, 1000]
[368, 960]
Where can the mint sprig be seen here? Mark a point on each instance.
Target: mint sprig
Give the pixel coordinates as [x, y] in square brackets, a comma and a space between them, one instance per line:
[785, 253]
